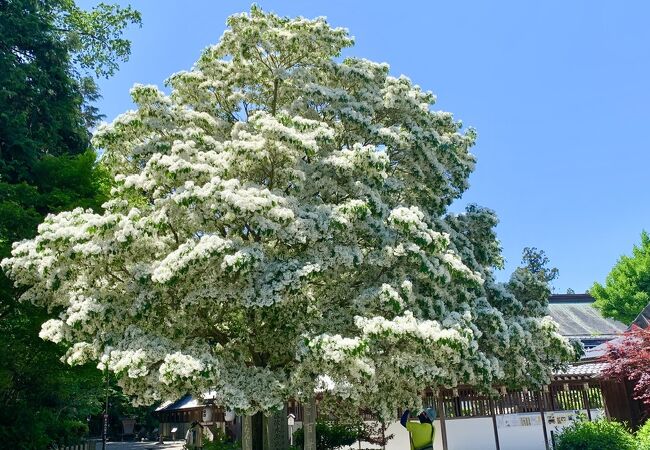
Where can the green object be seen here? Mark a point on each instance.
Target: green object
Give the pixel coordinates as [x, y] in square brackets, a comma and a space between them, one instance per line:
[627, 287]
[329, 435]
[598, 435]
[643, 437]
[421, 434]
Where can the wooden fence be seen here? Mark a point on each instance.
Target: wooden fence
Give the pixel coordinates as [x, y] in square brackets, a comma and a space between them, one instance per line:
[462, 403]
[88, 445]
[466, 402]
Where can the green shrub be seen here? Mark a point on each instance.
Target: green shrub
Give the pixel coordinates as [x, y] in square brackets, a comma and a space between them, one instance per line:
[329, 435]
[643, 437]
[598, 435]
[220, 442]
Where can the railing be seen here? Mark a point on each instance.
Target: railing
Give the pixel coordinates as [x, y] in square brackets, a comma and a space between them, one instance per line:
[88, 445]
[466, 402]
[461, 403]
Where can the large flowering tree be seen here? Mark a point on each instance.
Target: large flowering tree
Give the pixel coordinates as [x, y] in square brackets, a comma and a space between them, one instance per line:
[280, 220]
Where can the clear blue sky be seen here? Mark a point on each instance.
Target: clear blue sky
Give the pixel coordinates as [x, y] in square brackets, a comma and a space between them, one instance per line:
[559, 92]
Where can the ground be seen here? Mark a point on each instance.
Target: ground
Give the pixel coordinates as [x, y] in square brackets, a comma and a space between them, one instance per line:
[178, 445]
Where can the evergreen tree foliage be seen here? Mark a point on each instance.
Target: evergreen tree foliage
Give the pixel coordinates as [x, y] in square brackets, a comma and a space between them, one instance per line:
[49, 51]
[627, 288]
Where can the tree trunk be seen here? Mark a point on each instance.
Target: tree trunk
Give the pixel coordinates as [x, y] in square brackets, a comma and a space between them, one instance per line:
[276, 430]
[309, 424]
[247, 433]
[260, 432]
[252, 427]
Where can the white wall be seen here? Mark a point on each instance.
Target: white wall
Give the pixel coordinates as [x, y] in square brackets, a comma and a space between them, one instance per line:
[516, 432]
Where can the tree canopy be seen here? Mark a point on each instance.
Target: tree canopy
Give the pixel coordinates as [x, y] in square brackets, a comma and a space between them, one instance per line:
[280, 224]
[536, 261]
[627, 287]
[46, 49]
[49, 51]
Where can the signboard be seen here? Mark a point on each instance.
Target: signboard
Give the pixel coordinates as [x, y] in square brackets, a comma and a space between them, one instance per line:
[519, 420]
[291, 421]
[553, 418]
[560, 417]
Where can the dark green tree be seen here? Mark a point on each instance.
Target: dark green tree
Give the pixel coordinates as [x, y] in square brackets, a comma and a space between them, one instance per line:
[627, 287]
[536, 262]
[330, 435]
[530, 282]
[50, 50]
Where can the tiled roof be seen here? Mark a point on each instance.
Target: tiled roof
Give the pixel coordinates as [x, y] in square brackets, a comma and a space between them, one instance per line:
[186, 402]
[583, 369]
[643, 319]
[578, 318]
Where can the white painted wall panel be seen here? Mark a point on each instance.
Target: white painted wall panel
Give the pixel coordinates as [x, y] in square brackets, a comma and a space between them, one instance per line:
[478, 433]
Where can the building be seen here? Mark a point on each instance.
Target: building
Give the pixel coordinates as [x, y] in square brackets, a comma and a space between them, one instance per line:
[176, 418]
[580, 320]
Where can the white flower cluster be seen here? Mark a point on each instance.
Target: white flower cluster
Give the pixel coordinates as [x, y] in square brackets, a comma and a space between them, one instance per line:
[188, 253]
[53, 330]
[411, 221]
[179, 365]
[408, 325]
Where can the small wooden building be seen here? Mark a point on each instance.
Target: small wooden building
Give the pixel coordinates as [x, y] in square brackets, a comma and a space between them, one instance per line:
[183, 413]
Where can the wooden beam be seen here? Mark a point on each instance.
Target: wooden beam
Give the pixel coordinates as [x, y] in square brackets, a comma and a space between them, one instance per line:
[494, 425]
[541, 402]
[443, 426]
[585, 397]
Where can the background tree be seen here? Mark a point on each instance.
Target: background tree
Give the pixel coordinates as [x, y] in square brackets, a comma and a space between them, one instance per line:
[48, 51]
[536, 262]
[375, 433]
[279, 220]
[330, 435]
[627, 287]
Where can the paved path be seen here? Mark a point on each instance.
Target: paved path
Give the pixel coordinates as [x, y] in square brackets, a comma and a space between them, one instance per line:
[178, 445]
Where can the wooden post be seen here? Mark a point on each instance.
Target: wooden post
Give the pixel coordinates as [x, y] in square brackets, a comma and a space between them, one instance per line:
[604, 400]
[541, 402]
[494, 425]
[585, 396]
[443, 426]
[309, 424]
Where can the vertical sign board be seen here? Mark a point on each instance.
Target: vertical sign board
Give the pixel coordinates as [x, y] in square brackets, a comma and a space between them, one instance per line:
[291, 421]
